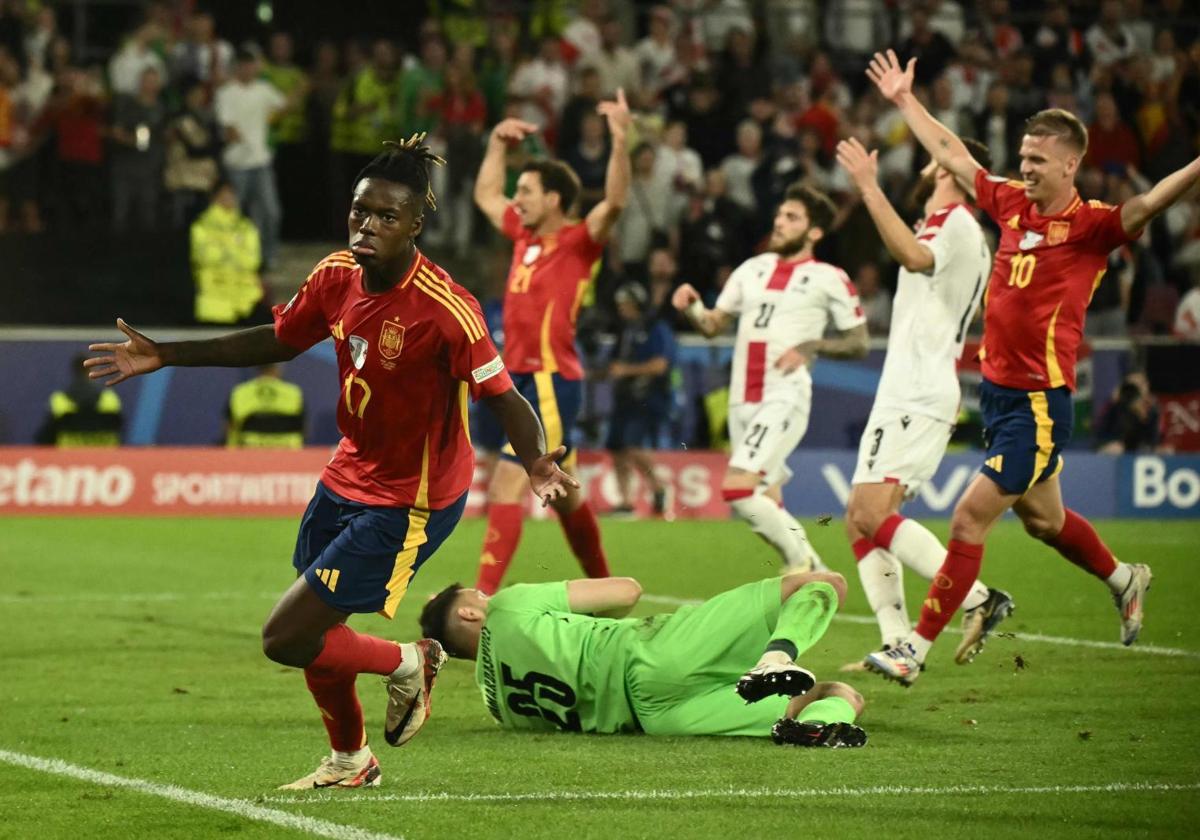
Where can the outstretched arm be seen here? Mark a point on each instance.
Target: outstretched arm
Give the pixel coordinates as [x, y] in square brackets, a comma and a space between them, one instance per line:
[901, 242]
[605, 597]
[524, 432]
[139, 355]
[710, 322]
[604, 215]
[489, 183]
[1137, 212]
[895, 83]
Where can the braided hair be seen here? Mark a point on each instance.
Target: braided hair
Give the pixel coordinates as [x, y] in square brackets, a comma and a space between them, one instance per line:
[406, 162]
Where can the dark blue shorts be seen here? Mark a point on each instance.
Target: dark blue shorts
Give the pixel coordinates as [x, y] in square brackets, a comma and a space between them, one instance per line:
[361, 558]
[556, 401]
[1025, 432]
[486, 432]
[634, 428]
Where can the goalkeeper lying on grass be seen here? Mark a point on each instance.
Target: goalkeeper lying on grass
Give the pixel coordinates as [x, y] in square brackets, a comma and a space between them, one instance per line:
[559, 656]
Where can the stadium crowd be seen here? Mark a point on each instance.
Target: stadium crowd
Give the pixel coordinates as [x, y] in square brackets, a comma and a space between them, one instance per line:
[735, 100]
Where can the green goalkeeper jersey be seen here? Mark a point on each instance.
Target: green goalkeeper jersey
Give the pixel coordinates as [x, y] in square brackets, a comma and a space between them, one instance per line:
[543, 667]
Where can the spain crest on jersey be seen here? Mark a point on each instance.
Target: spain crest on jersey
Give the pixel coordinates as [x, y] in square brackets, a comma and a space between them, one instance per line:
[391, 339]
[532, 252]
[1057, 233]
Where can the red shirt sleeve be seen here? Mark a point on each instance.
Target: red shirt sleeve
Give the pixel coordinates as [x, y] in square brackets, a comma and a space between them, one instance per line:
[578, 236]
[301, 322]
[999, 197]
[510, 226]
[476, 362]
[1104, 226]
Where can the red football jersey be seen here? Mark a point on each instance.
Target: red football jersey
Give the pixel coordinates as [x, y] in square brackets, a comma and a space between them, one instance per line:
[407, 359]
[1045, 272]
[546, 284]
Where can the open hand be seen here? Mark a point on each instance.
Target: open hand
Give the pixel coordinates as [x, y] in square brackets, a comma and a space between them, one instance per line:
[131, 358]
[893, 81]
[547, 480]
[861, 166]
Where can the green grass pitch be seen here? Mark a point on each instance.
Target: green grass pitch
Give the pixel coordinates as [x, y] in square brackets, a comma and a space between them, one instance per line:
[131, 647]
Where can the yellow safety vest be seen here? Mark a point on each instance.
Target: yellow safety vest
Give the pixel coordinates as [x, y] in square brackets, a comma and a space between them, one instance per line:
[225, 256]
[291, 126]
[99, 426]
[716, 407]
[364, 133]
[266, 412]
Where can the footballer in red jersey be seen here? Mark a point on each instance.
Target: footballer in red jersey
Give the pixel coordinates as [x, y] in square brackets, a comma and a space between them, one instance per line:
[411, 348]
[554, 258]
[1052, 254]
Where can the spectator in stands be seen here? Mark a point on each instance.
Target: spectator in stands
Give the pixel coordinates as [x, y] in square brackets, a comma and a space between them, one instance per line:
[998, 128]
[709, 127]
[615, 63]
[265, 412]
[290, 152]
[1187, 316]
[643, 223]
[76, 114]
[739, 167]
[876, 301]
[40, 35]
[423, 81]
[1112, 145]
[656, 55]
[1055, 42]
[1130, 421]
[138, 152]
[678, 167]
[193, 155]
[459, 113]
[135, 56]
[245, 106]
[640, 370]
[1110, 40]
[1000, 35]
[201, 55]
[226, 256]
[588, 157]
[743, 74]
[931, 48]
[540, 85]
[499, 63]
[587, 95]
[85, 413]
[855, 29]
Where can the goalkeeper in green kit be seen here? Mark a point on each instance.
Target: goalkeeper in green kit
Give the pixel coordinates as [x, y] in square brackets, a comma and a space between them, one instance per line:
[561, 656]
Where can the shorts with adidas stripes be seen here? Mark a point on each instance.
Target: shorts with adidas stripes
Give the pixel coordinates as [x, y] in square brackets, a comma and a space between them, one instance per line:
[556, 401]
[900, 447]
[361, 558]
[1025, 432]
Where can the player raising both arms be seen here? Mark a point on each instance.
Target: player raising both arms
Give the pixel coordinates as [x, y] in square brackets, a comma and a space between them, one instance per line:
[411, 346]
[561, 656]
[943, 269]
[554, 258]
[1053, 252]
[782, 300]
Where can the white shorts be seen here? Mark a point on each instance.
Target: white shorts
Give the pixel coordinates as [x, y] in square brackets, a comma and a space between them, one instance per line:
[763, 435]
[900, 447]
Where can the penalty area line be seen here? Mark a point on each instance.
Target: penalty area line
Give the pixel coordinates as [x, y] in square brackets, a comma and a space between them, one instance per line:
[760, 793]
[1153, 650]
[237, 807]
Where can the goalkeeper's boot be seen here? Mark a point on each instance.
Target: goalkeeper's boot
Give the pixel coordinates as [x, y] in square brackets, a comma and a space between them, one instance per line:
[1131, 601]
[807, 733]
[899, 664]
[775, 673]
[978, 624]
[409, 696]
[341, 770]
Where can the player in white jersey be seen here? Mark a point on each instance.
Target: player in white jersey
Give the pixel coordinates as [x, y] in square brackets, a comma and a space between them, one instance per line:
[944, 268]
[783, 301]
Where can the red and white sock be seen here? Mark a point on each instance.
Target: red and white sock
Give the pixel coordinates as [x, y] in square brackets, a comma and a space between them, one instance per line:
[915, 546]
[883, 582]
[503, 534]
[583, 534]
[1079, 543]
[950, 586]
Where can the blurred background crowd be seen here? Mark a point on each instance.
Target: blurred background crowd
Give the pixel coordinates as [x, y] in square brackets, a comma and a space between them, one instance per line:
[242, 124]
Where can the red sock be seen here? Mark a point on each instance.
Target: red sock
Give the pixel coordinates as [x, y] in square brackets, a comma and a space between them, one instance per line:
[583, 533]
[1079, 543]
[861, 548]
[887, 530]
[503, 534]
[340, 710]
[950, 587]
[347, 654]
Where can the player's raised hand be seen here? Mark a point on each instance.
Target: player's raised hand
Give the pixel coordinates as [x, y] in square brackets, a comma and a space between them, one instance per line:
[127, 359]
[892, 80]
[547, 480]
[618, 115]
[860, 165]
[513, 130]
[684, 296]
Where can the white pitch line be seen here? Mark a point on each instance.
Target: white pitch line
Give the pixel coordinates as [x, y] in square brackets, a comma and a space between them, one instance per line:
[1154, 650]
[237, 807]
[755, 793]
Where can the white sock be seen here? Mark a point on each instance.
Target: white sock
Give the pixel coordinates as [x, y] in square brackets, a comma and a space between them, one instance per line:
[776, 658]
[353, 758]
[916, 547]
[882, 580]
[774, 525]
[920, 646]
[408, 660]
[1119, 579]
[799, 533]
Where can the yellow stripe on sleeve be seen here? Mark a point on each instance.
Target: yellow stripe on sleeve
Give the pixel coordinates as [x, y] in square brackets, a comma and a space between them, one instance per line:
[470, 326]
[461, 305]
